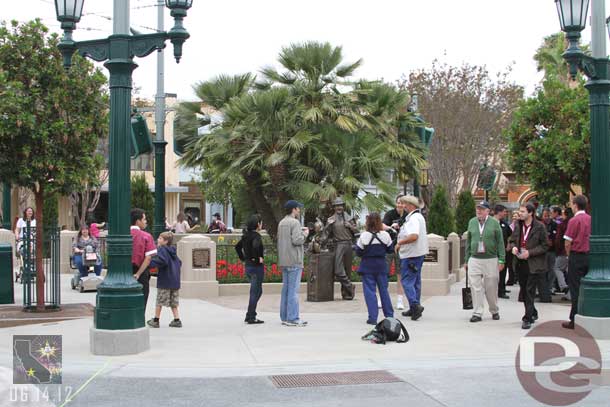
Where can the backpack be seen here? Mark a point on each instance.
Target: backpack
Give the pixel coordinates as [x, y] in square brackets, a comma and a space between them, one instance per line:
[390, 329]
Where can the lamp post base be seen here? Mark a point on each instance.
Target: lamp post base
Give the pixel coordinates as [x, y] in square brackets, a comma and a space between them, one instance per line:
[599, 328]
[594, 300]
[119, 342]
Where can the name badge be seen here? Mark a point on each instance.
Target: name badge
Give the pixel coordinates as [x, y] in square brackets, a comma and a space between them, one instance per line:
[481, 248]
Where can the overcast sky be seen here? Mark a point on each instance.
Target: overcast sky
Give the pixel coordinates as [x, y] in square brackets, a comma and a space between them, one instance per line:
[394, 37]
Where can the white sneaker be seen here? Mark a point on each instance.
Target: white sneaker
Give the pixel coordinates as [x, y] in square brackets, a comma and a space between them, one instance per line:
[399, 304]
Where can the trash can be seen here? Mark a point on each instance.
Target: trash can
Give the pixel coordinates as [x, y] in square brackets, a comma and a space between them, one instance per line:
[7, 294]
[320, 277]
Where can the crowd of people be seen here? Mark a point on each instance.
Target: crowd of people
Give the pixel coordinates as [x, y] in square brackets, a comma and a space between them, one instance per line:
[546, 255]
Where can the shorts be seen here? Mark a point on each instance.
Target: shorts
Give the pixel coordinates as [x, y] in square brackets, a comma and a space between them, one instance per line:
[167, 297]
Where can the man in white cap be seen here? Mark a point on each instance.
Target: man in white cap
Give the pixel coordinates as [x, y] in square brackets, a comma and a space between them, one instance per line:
[485, 256]
[412, 246]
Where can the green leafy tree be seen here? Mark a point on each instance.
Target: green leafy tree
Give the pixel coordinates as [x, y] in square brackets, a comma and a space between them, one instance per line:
[549, 137]
[464, 211]
[51, 119]
[142, 197]
[440, 216]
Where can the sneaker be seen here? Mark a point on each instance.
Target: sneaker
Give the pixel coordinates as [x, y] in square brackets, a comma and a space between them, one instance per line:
[407, 313]
[526, 325]
[296, 323]
[476, 318]
[368, 321]
[152, 323]
[176, 323]
[254, 321]
[495, 317]
[417, 312]
[399, 304]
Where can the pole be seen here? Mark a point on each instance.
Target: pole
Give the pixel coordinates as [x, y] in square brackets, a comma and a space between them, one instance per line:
[160, 143]
[594, 299]
[6, 206]
[120, 301]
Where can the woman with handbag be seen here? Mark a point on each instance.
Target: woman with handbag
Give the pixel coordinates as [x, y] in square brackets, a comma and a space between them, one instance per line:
[86, 251]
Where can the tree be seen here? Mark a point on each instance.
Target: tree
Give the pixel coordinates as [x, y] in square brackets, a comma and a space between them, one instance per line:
[440, 216]
[549, 137]
[305, 133]
[51, 119]
[469, 109]
[142, 197]
[464, 211]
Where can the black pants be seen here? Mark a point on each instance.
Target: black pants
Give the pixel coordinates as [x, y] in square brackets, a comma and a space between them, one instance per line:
[502, 282]
[145, 281]
[528, 283]
[578, 267]
[255, 275]
[510, 268]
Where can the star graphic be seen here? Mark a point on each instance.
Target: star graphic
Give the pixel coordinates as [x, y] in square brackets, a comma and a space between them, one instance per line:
[31, 373]
[48, 351]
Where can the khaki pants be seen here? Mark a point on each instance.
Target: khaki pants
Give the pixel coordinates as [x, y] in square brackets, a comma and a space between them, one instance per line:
[483, 276]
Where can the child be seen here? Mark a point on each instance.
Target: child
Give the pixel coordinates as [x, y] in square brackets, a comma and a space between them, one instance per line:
[168, 279]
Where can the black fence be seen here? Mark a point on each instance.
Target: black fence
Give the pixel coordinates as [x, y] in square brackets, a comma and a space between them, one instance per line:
[50, 263]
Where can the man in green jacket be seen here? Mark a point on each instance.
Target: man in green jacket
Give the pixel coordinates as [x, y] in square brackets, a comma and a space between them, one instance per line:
[485, 256]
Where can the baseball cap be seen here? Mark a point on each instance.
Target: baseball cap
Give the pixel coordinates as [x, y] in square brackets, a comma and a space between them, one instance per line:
[291, 204]
[483, 204]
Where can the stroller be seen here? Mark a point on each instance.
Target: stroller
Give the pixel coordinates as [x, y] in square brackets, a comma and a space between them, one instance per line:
[91, 281]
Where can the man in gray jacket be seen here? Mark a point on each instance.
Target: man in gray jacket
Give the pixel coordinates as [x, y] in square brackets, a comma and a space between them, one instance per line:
[290, 239]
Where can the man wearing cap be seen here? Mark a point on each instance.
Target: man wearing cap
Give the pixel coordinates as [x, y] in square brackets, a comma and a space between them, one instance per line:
[485, 256]
[290, 239]
[412, 246]
[342, 231]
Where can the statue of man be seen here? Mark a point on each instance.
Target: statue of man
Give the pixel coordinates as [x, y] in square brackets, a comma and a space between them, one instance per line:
[342, 230]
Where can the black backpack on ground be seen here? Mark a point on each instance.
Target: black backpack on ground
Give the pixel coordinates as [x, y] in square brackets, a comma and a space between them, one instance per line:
[390, 329]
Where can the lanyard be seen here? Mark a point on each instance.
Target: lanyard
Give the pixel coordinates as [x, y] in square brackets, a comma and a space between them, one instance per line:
[525, 231]
[482, 227]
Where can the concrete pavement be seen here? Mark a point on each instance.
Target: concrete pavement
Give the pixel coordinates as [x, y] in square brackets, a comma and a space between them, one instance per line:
[446, 360]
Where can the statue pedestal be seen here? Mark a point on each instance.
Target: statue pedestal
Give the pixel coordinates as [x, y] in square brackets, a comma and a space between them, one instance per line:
[320, 277]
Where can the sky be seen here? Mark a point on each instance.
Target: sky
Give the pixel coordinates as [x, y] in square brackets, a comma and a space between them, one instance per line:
[393, 37]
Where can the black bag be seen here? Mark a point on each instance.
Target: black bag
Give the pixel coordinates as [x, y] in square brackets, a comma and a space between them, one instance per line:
[390, 329]
[466, 295]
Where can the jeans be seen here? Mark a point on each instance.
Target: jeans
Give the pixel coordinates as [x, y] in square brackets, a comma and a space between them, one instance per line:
[255, 275]
[289, 303]
[410, 278]
[84, 270]
[370, 284]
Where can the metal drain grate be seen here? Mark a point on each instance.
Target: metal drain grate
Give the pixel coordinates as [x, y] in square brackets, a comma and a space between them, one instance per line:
[334, 379]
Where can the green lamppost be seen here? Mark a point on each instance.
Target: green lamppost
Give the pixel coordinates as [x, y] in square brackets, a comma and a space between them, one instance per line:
[6, 205]
[120, 302]
[425, 136]
[594, 299]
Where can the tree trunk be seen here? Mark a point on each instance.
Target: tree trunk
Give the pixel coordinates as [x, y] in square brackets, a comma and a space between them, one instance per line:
[260, 203]
[39, 196]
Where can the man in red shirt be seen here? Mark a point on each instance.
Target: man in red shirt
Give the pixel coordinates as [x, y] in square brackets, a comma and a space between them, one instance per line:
[143, 250]
[577, 248]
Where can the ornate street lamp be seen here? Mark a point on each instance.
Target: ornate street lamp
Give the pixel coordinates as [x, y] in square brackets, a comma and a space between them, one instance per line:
[119, 312]
[594, 298]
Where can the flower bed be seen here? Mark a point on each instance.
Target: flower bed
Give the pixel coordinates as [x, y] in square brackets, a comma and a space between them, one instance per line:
[230, 270]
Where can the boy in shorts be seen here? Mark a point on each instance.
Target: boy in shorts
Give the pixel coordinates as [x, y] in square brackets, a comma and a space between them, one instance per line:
[168, 279]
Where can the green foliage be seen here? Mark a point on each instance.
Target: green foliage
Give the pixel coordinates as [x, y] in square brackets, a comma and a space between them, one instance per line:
[52, 118]
[464, 211]
[143, 198]
[304, 132]
[549, 138]
[440, 216]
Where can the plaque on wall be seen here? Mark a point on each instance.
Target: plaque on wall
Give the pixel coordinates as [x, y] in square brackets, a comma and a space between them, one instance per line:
[432, 256]
[201, 258]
